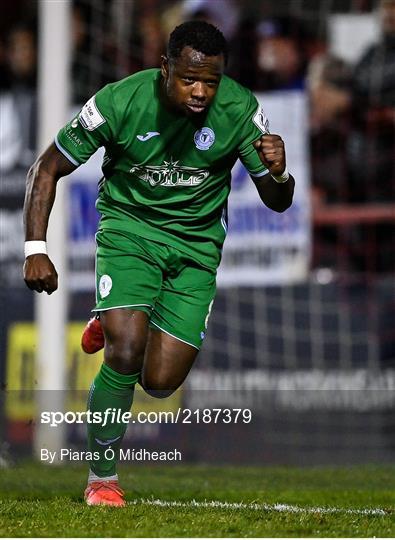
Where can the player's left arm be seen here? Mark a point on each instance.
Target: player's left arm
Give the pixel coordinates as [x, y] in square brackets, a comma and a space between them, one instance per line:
[276, 188]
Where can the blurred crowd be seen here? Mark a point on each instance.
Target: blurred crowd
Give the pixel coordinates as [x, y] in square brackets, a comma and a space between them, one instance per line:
[352, 105]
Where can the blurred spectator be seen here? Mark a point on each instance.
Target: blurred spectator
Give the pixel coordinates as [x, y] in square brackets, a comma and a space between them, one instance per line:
[281, 61]
[19, 105]
[79, 70]
[22, 57]
[374, 82]
[329, 87]
[94, 51]
[243, 55]
[372, 147]
[153, 41]
[171, 17]
[373, 142]
[328, 82]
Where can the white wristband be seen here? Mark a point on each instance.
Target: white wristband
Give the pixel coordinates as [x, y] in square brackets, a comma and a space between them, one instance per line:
[33, 247]
[281, 178]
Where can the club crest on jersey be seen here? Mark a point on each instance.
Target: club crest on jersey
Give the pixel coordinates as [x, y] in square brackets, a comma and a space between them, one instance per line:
[105, 285]
[204, 138]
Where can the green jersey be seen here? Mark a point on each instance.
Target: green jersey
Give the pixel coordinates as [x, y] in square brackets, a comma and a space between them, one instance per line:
[165, 177]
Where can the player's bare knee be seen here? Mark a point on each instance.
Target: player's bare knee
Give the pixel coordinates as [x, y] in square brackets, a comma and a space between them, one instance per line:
[124, 356]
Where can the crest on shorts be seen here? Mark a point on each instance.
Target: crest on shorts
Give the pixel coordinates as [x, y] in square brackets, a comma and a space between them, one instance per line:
[204, 138]
[105, 285]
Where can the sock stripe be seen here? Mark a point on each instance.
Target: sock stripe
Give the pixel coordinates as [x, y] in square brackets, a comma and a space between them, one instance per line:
[91, 390]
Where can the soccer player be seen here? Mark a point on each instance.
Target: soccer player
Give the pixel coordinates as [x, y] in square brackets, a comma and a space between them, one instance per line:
[172, 136]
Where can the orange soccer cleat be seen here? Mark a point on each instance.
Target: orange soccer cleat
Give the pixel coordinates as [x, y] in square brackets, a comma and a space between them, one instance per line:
[92, 337]
[105, 493]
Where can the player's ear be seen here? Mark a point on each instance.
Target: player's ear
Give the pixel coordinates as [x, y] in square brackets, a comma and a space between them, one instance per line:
[164, 67]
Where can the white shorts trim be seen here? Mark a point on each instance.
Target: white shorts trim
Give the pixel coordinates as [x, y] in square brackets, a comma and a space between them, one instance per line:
[127, 306]
[172, 335]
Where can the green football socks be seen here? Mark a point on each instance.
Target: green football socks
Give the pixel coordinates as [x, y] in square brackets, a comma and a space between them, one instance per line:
[110, 396]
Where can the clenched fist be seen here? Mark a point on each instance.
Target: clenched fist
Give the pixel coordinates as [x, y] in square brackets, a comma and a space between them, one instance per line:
[271, 151]
[39, 273]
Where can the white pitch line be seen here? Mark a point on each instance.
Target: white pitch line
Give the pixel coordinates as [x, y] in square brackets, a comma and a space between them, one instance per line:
[263, 507]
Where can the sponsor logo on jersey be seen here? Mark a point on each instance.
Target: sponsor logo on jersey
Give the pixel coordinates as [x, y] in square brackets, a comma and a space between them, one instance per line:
[260, 120]
[148, 136]
[75, 140]
[90, 117]
[170, 174]
[105, 285]
[204, 138]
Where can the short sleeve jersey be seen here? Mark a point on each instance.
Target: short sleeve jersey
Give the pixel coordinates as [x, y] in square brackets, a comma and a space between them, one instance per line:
[165, 176]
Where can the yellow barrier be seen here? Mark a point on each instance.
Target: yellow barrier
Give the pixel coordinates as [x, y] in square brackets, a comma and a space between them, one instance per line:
[80, 369]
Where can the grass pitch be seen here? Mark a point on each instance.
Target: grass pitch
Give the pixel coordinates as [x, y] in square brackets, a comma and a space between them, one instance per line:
[42, 501]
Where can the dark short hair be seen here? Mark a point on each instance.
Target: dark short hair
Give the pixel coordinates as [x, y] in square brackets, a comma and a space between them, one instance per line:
[201, 36]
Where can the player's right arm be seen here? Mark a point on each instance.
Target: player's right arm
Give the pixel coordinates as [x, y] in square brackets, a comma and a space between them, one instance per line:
[38, 271]
[74, 144]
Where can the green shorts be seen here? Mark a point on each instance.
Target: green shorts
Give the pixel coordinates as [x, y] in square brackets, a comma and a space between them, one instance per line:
[174, 290]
